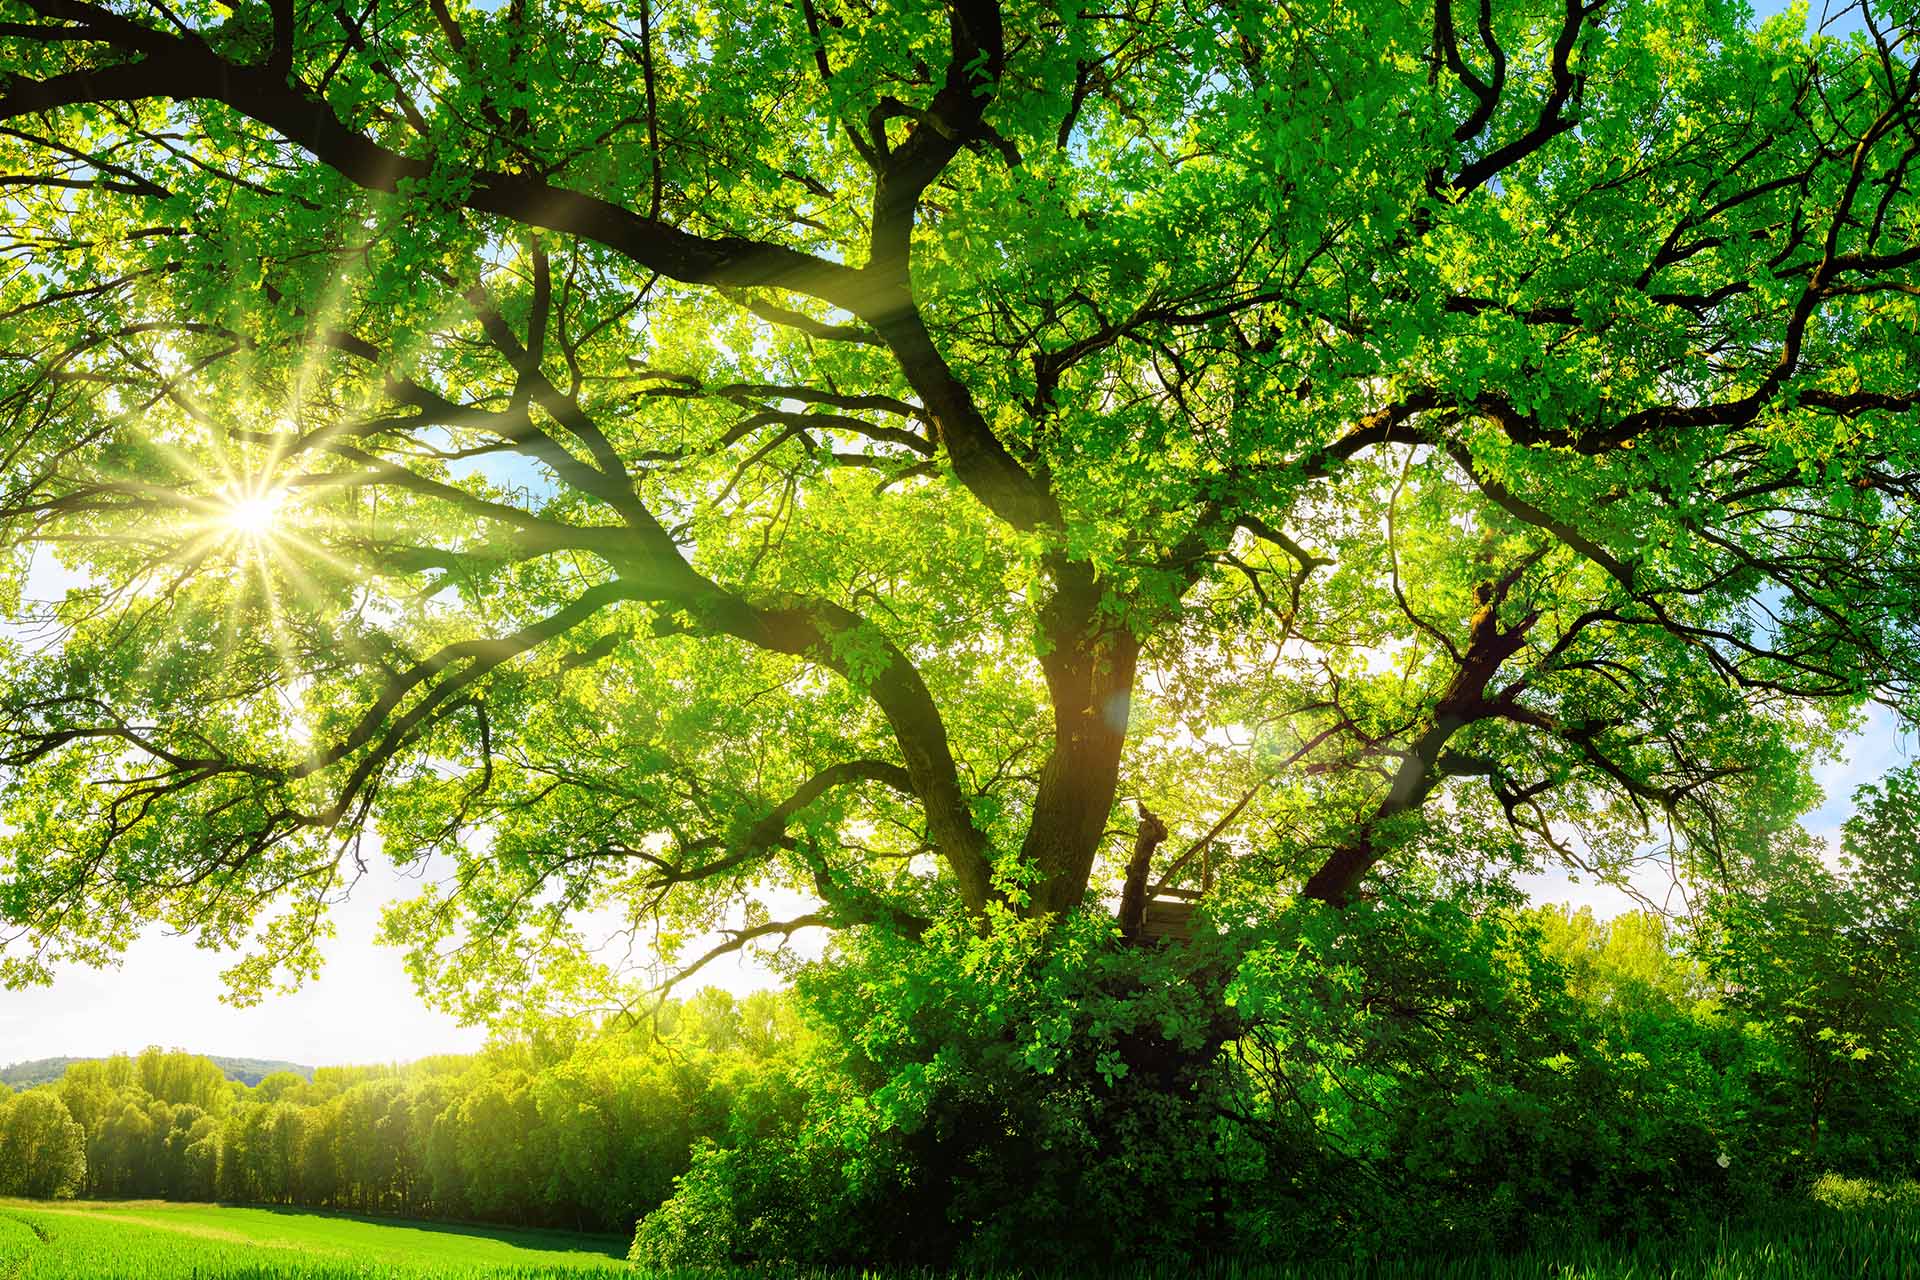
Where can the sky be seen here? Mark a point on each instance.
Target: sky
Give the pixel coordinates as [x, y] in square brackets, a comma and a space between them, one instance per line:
[1879, 745]
[363, 1008]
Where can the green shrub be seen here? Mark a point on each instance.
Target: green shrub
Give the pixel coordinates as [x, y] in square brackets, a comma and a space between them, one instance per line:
[1449, 1073]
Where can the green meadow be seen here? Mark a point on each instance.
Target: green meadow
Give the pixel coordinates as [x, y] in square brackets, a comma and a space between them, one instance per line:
[1848, 1229]
[154, 1240]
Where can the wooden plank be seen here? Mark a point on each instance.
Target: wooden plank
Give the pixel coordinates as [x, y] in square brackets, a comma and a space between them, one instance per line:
[1167, 921]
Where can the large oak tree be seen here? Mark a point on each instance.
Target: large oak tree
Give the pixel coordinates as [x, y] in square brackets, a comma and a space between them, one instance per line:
[650, 454]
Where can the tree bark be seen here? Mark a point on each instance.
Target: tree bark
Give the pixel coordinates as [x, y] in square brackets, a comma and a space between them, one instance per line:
[1089, 663]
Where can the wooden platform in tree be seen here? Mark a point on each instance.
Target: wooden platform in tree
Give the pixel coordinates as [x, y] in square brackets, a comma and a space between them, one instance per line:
[1162, 912]
[1168, 919]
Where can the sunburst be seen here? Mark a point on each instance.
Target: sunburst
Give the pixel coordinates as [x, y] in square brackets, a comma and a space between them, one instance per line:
[253, 516]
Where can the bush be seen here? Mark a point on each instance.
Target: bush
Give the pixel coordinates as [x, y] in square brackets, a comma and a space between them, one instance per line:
[976, 1098]
[1449, 1072]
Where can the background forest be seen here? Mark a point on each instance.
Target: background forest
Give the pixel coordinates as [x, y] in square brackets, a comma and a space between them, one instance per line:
[575, 1130]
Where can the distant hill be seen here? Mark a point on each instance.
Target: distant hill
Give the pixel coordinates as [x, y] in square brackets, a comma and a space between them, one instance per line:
[248, 1071]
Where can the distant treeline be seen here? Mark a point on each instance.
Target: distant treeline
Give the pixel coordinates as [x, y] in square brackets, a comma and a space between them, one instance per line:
[576, 1127]
[250, 1071]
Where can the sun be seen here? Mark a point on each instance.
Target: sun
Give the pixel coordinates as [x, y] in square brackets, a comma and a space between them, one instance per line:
[253, 516]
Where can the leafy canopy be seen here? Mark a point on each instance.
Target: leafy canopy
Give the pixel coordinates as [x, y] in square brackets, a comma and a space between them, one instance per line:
[680, 457]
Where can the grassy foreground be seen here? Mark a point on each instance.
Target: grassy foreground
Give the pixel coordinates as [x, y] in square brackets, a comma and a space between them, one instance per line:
[153, 1240]
[1849, 1230]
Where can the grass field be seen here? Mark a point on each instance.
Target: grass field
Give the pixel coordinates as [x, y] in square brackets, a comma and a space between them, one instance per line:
[1857, 1232]
[151, 1240]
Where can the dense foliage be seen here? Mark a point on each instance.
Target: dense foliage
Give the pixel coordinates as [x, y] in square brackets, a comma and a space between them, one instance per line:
[42, 1151]
[1440, 1071]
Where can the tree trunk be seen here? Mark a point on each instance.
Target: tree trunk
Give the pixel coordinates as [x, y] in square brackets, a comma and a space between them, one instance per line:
[1089, 663]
